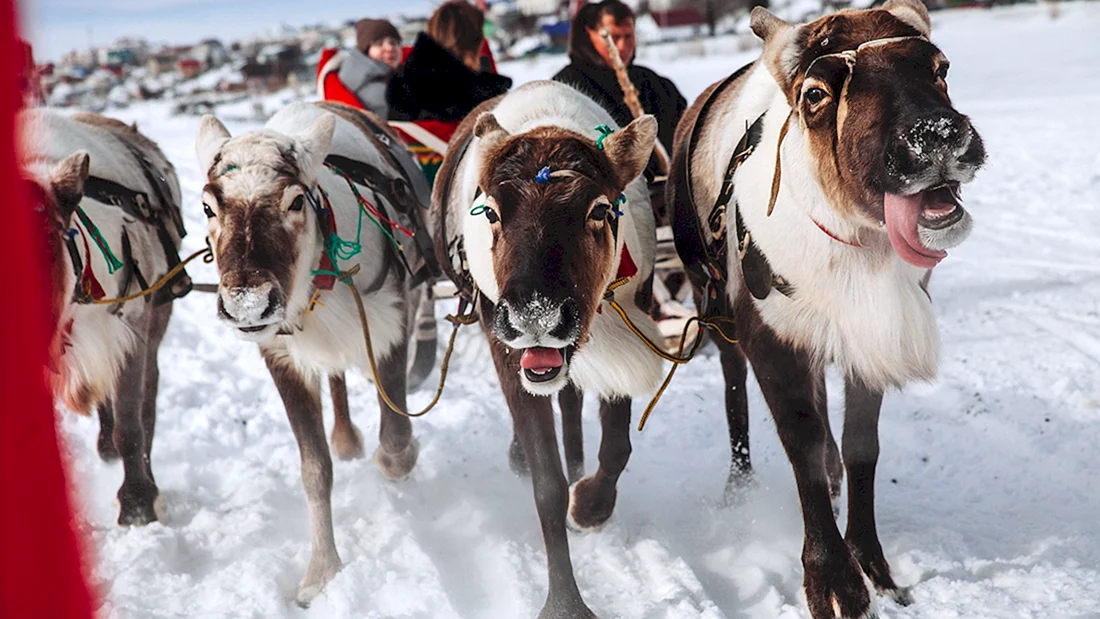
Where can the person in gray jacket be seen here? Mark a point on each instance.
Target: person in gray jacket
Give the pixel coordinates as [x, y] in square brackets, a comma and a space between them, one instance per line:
[368, 68]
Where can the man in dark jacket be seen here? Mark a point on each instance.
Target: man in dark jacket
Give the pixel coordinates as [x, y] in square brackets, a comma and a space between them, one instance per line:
[589, 69]
[368, 68]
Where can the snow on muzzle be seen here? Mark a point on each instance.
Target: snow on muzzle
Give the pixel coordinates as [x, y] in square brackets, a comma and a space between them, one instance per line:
[921, 226]
[544, 333]
[254, 311]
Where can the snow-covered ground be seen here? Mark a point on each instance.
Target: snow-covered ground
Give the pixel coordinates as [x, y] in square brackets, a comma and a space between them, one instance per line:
[988, 496]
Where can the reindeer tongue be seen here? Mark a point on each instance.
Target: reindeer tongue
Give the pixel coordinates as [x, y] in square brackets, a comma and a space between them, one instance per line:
[902, 215]
[540, 359]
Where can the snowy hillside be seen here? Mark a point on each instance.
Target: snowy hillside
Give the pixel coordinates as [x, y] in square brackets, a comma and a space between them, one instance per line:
[988, 492]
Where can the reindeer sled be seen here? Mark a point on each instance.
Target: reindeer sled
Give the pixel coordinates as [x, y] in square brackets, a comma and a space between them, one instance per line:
[429, 141]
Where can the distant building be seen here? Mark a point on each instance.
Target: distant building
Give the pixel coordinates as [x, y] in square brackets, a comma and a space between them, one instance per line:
[189, 67]
[210, 53]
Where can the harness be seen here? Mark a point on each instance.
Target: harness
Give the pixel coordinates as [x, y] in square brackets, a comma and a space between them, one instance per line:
[136, 204]
[757, 272]
[406, 193]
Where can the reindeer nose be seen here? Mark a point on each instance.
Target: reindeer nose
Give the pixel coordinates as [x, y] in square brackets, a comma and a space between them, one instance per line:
[251, 305]
[537, 320]
[933, 146]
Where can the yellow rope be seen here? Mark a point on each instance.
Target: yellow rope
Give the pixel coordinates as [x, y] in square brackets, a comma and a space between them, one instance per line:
[679, 358]
[208, 256]
[457, 321]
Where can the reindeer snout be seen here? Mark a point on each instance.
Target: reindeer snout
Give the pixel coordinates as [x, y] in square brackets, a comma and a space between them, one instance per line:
[537, 321]
[250, 306]
[933, 149]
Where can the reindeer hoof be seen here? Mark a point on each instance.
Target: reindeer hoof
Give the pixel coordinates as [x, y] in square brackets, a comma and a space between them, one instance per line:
[105, 446]
[318, 575]
[590, 504]
[902, 596]
[517, 460]
[738, 486]
[136, 506]
[347, 444]
[397, 466]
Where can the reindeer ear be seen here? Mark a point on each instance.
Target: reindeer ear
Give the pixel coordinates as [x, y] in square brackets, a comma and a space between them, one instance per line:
[630, 148]
[67, 179]
[488, 131]
[912, 12]
[212, 136]
[766, 24]
[316, 143]
[779, 55]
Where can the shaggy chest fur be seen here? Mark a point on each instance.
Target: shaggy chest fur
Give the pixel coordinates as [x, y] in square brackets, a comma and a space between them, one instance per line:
[861, 308]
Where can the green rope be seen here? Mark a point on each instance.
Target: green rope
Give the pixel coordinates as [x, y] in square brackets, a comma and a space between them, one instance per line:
[604, 132]
[113, 263]
[338, 248]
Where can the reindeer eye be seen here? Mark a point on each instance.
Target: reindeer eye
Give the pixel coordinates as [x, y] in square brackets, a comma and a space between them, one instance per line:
[209, 212]
[815, 96]
[491, 215]
[599, 212]
[941, 72]
[298, 203]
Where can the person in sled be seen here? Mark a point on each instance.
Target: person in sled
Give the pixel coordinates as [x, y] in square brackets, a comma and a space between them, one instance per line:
[442, 78]
[367, 69]
[590, 68]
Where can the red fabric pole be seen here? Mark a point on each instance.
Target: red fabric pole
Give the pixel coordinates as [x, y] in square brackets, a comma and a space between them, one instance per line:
[40, 557]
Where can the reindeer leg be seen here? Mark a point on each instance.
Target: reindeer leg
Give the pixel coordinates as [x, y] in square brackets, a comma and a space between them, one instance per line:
[571, 402]
[425, 338]
[832, 578]
[105, 443]
[533, 421]
[151, 386]
[860, 457]
[834, 467]
[347, 442]
[302, 397]
[592, 499]
[397, 449]
[735, 371]
[138, 493]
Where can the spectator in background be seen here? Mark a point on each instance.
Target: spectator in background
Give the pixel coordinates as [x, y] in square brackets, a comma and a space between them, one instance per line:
[368, 68]
[442, 77]
[590, 69]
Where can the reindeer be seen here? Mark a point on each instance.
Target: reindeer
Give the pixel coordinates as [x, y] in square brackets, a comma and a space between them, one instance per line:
[110, 202]
[277, 201]
[832, 165]
[536, 212]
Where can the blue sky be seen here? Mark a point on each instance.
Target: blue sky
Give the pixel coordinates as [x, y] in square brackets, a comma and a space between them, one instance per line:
[57, 26]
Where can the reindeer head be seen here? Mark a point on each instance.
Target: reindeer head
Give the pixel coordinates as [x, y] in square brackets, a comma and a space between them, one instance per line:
[868, 92]
[54, 191]
[261, 227]
[551, 200]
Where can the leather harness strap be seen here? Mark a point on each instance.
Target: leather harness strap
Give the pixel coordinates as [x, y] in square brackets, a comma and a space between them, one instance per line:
[755, 268]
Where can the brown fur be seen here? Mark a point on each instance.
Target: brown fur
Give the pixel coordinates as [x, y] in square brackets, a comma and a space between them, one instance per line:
[535, 213]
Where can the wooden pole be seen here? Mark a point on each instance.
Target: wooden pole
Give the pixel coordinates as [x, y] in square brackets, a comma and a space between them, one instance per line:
[630, 95]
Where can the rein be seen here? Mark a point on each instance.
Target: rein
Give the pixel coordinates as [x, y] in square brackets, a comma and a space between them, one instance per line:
[457, 319]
